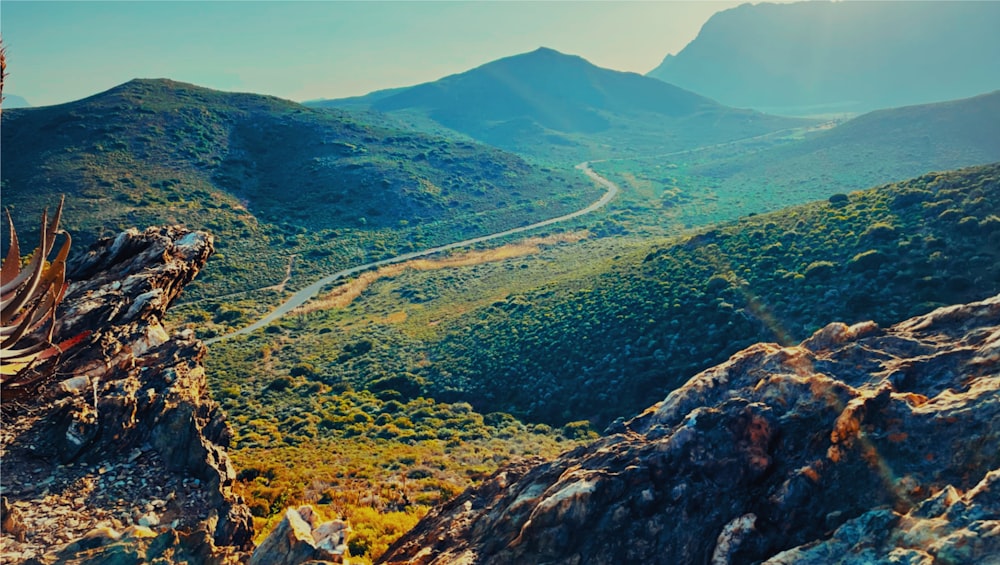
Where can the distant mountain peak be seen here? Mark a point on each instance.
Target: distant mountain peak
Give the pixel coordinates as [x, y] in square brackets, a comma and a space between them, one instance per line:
[796, 58]
[14, 101]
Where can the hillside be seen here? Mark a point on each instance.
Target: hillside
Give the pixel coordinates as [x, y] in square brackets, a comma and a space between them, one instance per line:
[656, 317]
[270, 178]
[833, 57]
[631, 321]
[874, 148]
[862, 445]
[548, 104]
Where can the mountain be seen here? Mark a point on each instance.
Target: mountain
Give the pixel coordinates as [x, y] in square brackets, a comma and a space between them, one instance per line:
[599, 329]
[827, 57]
[11, 101]
[657, 315]
[859, 445]
[877, 147]
[535, 100]
[269, 177]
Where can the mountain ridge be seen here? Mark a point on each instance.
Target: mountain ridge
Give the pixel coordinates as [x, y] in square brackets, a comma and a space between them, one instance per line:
[527, 101]
[153, 151]
[826, 57]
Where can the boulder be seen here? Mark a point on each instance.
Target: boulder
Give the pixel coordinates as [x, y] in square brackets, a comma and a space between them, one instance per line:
[298, 539]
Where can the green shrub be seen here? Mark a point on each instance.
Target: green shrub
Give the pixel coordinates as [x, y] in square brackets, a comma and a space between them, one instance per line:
[867, 260]
[820, 270]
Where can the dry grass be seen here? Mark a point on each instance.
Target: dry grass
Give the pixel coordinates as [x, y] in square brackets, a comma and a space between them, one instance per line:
[344, 295]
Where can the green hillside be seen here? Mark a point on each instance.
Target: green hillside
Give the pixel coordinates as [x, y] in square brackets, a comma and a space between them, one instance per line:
[633, 320]
[726, 182]
[268, 177]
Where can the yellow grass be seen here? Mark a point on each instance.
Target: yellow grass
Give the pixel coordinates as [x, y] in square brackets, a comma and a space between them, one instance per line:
[343, 295]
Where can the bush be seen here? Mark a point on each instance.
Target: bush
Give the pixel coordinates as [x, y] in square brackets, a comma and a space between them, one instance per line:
[868, 260]
[838, 200]
[280, 383]
[818, 270]
[879, 231]
[303, 370]
[578, 430]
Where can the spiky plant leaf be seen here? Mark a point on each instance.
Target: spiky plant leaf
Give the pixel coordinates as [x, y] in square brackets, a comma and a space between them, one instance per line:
[29, 297]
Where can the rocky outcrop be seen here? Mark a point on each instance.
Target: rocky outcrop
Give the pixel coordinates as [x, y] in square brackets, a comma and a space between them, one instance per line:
[300, 538]
[867, 444]
[124, 435]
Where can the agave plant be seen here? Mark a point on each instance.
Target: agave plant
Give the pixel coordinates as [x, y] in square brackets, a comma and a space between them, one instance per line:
[29, 296]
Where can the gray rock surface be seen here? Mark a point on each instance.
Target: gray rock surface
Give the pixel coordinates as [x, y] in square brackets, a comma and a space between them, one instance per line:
[877, 445]
[124, 434]
[299, 539]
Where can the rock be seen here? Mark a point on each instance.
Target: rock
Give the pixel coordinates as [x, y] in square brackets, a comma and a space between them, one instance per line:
[862, 445]
[93, 539]
[945, 528]
[295, 540]
[11, 521]
[134, 389]
[149, 520]
[76, 385]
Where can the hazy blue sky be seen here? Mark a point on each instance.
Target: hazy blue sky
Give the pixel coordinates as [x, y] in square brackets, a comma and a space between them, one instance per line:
[62, 51]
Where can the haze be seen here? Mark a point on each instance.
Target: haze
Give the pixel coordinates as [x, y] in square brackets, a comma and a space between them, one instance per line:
[62, 51]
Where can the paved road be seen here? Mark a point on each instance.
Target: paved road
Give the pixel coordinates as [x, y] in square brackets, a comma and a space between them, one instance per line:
[303, 296]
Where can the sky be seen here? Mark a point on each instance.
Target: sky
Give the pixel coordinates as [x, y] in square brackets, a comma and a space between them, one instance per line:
[305, 50]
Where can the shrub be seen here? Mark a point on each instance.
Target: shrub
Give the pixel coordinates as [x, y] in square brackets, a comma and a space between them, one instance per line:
[407, 384]
[303, 370]
[868, 260]
[281, 383]
[879, 231]
[818, 270]
[838, 200]
[578, 430]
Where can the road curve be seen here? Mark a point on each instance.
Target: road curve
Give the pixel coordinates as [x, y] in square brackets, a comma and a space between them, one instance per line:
[302, 296]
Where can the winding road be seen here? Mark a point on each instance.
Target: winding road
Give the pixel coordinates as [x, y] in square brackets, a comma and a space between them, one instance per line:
[302, 296]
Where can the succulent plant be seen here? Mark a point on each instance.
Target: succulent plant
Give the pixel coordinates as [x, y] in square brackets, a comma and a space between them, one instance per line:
[29, 296]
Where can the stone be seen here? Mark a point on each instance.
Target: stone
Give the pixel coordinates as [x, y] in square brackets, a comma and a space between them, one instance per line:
[150, 404]
[76, 385]
[149, 519]
[11, 521]
[295, 541]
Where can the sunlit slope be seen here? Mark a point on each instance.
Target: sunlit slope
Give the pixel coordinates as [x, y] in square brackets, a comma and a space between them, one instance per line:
[268, 177]
[609, 343]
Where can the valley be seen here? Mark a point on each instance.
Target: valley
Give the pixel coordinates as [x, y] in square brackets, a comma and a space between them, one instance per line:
[505, 289]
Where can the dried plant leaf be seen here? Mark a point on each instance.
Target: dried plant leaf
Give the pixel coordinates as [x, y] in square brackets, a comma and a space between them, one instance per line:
[28, 300]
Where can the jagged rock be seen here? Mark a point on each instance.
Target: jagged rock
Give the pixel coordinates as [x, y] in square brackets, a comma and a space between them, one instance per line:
[298, 539]
[948, 527]
[857, 444]
[140, 545]
[127, 415]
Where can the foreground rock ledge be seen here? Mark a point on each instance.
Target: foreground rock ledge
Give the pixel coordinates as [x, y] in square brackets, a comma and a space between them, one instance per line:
[861, 445]
[123, 448]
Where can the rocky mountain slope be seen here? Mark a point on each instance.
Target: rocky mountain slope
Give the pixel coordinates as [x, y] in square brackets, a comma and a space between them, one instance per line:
[124, 437]
[821, 57]
[875, 445]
